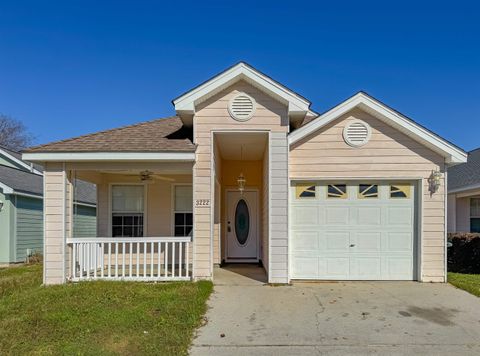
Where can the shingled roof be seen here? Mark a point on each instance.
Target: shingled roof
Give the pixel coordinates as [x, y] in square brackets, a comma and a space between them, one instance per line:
[466, 174]
[31, 183]
[160, 135]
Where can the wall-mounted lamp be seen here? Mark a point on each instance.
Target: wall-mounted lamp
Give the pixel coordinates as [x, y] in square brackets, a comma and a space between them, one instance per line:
[434, 181]
[1, 205]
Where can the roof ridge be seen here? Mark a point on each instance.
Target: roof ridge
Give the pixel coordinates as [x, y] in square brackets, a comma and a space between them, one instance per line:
[102, 131]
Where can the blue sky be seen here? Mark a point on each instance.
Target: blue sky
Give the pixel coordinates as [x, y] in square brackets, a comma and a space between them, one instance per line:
[73, 67]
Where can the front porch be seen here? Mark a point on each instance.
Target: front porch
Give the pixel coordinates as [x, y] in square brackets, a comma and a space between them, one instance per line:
[144, 222]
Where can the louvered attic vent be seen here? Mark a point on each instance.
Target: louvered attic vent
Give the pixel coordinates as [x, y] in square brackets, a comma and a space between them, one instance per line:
[241, 107]
[357, 133]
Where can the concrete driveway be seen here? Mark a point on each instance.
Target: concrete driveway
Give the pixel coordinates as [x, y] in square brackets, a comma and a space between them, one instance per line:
[248, 317]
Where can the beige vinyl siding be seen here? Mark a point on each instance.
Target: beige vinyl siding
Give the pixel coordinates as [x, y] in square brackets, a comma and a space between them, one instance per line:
[56, 228]
[388, 154]
[211, 115]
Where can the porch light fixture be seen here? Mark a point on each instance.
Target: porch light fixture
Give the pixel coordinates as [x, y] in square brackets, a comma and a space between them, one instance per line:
[434, 181]
[1, 205]
[241, 183]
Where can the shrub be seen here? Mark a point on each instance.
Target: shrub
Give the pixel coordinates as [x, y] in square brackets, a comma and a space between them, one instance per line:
[464, 254]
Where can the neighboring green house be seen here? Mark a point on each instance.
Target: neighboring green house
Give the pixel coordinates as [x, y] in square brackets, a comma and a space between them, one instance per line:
[21, 208]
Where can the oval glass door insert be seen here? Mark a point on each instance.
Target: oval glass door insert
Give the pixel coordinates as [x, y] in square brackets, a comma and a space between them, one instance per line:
[242, 222]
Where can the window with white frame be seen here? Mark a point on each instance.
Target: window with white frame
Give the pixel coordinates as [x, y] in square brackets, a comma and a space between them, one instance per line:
[183, 216]
[127, 210]
[474, 214]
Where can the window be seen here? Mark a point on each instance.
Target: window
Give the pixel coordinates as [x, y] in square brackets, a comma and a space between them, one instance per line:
[305, 190]
[337, 191]
[183, 217]
[400, 191]
[474, 214]
[367, 191]
[127, 210]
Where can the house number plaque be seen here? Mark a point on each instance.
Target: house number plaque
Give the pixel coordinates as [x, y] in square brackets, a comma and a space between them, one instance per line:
[200, 203]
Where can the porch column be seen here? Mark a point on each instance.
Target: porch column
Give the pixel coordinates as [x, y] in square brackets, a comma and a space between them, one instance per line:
[202, 234]
[278, 236]
[57, 222]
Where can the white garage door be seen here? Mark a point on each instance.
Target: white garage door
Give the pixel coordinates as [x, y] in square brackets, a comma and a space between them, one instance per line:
[352, 231]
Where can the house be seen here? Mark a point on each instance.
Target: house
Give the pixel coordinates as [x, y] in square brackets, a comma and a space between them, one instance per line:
[21, 208]
[464, 195]
[246, 172]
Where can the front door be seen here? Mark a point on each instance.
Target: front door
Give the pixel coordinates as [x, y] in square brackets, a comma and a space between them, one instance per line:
[242, 237]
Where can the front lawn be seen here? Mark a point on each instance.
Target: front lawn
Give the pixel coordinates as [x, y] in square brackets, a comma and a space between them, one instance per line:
[97, 317]
[468, 282]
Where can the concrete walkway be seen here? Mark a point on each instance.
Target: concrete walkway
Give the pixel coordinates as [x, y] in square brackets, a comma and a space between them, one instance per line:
[355, 318]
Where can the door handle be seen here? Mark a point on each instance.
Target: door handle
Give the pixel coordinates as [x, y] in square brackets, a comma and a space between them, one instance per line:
[229, 229]
[352, 245]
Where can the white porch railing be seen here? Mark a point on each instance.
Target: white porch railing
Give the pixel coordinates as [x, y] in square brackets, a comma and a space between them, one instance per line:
[130, 258]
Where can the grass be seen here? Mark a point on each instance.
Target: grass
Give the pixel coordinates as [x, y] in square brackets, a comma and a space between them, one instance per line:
[468, 282]
[97, 318]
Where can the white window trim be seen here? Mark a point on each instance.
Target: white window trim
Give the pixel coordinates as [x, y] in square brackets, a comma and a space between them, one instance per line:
[145, 205]
[172, 209]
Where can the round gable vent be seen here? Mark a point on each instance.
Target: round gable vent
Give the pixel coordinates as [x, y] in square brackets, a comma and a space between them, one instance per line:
[357, 133]
[241, 107]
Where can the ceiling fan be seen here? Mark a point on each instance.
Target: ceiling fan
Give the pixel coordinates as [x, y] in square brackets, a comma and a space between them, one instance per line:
[149, 176]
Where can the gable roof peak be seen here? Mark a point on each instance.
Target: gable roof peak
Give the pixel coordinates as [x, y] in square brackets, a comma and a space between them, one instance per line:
[185, 104]
[452, 153]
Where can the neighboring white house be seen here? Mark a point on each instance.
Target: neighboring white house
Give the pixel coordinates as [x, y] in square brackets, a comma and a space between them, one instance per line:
[464, 195]
[246, 172]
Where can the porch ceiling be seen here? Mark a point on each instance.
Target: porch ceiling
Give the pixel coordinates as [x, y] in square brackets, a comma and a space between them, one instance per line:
[247, 146]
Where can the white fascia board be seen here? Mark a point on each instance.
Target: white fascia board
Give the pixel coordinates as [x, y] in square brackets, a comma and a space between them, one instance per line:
[35, 196]
[186, 103]
[452, 154]
[109, 156]
[6, 189]
[464, 189]
[20, 162]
